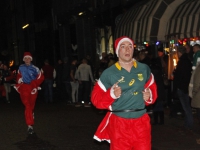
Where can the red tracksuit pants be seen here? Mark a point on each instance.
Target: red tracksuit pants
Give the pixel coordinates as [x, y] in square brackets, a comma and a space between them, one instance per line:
[130, 134]
[28, 100]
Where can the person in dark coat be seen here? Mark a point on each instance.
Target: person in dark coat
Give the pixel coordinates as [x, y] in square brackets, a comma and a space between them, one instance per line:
[158, 106]
[182, 75]
[58, 79]
[7, 77]
[66, 80]
[49, 76]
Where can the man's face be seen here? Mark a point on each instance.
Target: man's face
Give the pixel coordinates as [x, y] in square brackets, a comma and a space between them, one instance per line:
[27, 60]
[195, 49]
[125, 52]
[59, 61]
[5, 67]
[179, 54]
[187, 48]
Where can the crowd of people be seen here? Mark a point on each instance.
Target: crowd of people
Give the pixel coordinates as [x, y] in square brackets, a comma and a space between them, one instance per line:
[74, 79]
[178, 95]
[186, 84]
[103, 85]
[124, 89]
[7, 78]
[70, 80]
[111, 93]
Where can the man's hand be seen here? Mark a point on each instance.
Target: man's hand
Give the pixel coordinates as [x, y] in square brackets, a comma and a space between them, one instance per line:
[146, 94]
[117, 90]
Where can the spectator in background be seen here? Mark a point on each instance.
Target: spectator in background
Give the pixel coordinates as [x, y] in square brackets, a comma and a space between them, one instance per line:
[162, 58]
[163, 61]
[195, 63]
[74, 81]
[104, 61]
[189, 52]
[84, 75]
[1, 65]
[195, 103]
[29, 78]
[144, 57]
[58, 79]
[111, 59]
[196, 57]
[89, 62]
[7, 77]
[158, 106]
[164, 64]
[3, 92]
[181, 81]
[194, 81]
[49, 76]
[96, 66]
[66, 80]
[1, 68]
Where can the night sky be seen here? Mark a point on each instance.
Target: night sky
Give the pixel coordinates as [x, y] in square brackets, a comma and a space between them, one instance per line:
[3, 15]
[42, 8]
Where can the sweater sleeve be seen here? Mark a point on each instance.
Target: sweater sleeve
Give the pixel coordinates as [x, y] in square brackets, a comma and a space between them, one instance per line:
[153, 90]
[19, 77]
[101, 98]
[36, 83]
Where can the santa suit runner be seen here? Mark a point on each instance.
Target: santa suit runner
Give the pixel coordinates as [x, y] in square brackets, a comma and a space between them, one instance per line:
[28, 78]
[132, 85]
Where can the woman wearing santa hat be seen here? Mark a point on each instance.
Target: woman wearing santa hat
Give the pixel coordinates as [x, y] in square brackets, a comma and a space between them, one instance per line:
[29, 78]
[124, 89]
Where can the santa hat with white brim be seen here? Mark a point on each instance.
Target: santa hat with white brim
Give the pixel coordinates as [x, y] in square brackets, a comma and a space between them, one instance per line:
[118, 42]
[27, 54]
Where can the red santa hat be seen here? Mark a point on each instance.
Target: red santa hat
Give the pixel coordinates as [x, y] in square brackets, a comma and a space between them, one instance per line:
[119, 40]
[28, 54]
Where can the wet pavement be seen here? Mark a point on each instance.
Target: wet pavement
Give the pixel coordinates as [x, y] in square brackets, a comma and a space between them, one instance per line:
[59, 126]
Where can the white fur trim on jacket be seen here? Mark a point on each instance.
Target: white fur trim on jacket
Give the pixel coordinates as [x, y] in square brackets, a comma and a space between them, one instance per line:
[151, 97]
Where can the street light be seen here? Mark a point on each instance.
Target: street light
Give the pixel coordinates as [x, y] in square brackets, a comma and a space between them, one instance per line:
[25, 26]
